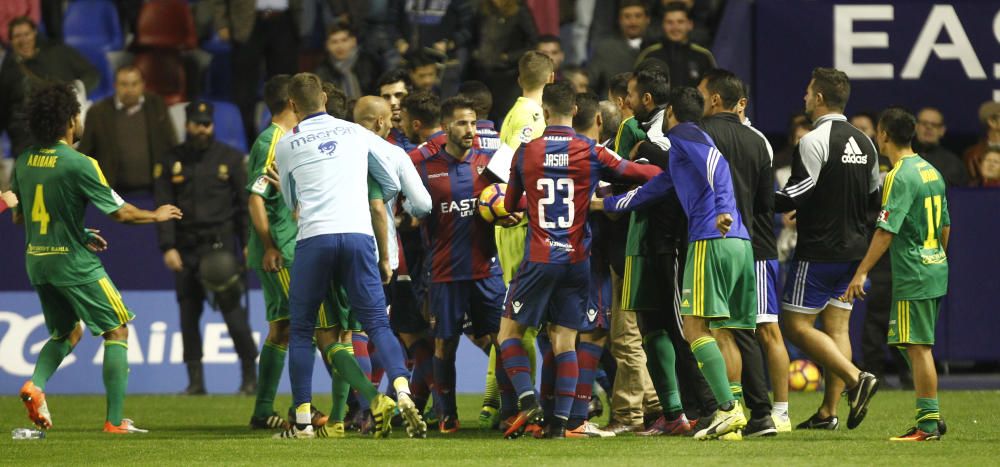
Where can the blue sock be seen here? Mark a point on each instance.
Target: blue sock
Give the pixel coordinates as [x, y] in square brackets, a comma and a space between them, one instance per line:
[548, 377]
[508, 398]
[588, 356]
[567, 373]
[301, 357]
[360, 342]
[444, 379]
[515, 363]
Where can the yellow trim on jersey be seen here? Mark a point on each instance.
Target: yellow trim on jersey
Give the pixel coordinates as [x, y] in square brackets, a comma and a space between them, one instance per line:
[97, 167]
[618, 136]
[278, 132]
[121, 343]
[284, 279]
[887, 184]
[626, 282]
[113, 299]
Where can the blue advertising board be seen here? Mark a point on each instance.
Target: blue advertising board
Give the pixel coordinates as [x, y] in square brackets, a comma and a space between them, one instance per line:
[913, 53]
[155, 351]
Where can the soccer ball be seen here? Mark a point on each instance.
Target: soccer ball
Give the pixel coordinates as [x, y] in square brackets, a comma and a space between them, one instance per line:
[804, 376]
[491, 202]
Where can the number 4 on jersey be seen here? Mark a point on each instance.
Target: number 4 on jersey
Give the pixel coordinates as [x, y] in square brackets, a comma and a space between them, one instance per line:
[38, 212]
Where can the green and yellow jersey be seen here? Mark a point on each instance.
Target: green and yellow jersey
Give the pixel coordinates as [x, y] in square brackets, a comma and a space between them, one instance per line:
[523, 123]
[915, 208]
[54, 184]
[279, 217]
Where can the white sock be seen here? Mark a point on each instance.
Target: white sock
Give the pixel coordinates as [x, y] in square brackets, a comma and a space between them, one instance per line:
[780, 408]
[303, 414]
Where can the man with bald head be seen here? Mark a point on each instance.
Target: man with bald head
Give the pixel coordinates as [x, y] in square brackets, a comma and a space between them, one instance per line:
[375, 114]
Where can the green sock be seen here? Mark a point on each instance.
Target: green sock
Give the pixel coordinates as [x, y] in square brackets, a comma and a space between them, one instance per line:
[737, 389]
[49, 359]
[928, 414]
[115, 378]
[528, 342]
[340, 392]
[660, 361]
[706, 351]
[269, 369]
[341, 357]
[492, 396]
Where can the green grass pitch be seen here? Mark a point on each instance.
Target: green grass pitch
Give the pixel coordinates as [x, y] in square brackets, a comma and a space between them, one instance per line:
[212, 430]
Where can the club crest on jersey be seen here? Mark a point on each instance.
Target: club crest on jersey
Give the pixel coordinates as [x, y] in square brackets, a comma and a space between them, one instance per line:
[328, 147]
[516, 306]
[853, 154]
[883, 216]
[591, 315]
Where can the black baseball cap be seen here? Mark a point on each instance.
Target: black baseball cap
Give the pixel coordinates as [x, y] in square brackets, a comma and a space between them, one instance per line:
[200, 111]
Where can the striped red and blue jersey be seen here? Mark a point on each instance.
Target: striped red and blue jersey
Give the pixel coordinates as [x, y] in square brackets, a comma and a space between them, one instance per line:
[459, 241]
[487, 137]
[429, 148]
[700, 175]
[558, 174]
[397, 137]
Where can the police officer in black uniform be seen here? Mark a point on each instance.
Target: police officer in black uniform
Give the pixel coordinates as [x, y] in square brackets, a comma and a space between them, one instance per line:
[207, 179]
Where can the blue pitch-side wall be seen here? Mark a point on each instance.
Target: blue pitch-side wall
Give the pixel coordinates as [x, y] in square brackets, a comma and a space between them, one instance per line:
[155, 349]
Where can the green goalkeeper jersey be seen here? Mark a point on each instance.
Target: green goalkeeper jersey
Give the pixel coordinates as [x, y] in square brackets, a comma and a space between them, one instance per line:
[915, 209]
[279, 217]
[54, 184]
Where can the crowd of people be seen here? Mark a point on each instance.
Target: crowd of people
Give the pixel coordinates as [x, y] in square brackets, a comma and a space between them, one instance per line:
[665, 295]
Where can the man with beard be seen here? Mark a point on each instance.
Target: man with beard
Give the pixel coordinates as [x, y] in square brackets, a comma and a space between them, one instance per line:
[207, 177]
[465, 274]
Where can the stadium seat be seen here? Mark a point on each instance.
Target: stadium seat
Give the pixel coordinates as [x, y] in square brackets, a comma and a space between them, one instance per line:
[99, 59]
[164, 75]
[92, 24]
[229, 125]
[166, 24]
[219, 77]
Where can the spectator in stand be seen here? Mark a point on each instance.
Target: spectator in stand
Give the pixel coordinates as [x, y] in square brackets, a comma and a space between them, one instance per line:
[504, 31]
[614, 55]
[28, 64]
[10, 9]
[989, 114]
[261, 31]
[687, 61]
[930, 130]
[704, 16]
[550, 45]
[865, 121]
[424, 69]
[989, 169]
[128, 133]
[346, 64]
[577, 76]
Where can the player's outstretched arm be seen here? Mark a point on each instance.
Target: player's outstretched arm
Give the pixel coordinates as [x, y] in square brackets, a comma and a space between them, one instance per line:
[652, 191]
[129, 214]
[877, 248]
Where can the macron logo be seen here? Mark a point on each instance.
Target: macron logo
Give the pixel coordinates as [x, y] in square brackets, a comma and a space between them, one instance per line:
[853, 154]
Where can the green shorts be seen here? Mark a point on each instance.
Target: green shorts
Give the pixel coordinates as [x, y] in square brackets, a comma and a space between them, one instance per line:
[334, 311]
[98, 304]
[719, 283]
[644, 287]
[913, 321]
